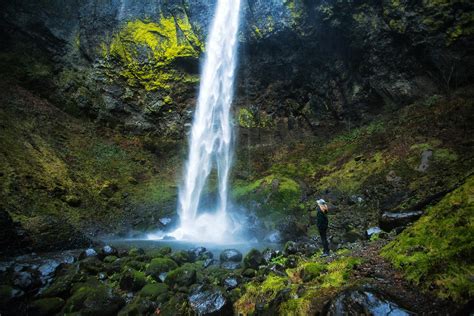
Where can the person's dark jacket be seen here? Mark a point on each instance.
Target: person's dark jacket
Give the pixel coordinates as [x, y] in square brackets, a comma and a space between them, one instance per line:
[321, 220]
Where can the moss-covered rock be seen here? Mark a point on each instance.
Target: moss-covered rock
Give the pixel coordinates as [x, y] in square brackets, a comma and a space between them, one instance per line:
[155, 291]
[93, 299]
[437, 250]
[253, 259]
[46, 306]
[158, 266]
[183, 276]
[132, 280]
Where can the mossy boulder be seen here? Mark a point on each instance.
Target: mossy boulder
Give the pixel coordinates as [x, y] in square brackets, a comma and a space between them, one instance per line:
[139, 306]
[46, 306]
[184, 276]
[132, 280]
[60, 287]
[155, 291]
[93, 299]
[158, 266]
[91, 265]
[437, 250]
[183, 256]
[253, 259]
[8, 294]
[312, 270]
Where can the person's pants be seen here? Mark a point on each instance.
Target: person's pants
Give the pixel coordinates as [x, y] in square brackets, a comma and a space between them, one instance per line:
[324, 239]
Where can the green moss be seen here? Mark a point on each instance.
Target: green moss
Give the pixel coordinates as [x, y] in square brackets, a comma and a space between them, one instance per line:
[159, 44]
[437, 250]
[46, 306]
[312, 270]
[160, 265]
[281, 194]
[349, 177]
[259, 293]
[156, 292]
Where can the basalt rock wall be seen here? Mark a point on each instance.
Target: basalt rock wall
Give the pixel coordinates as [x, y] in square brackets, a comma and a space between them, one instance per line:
[303, 64]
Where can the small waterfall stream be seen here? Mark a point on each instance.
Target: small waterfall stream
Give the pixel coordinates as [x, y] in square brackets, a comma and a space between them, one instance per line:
[211, 143]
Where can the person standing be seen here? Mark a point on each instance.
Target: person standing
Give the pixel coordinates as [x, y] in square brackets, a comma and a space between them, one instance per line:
[322, 222]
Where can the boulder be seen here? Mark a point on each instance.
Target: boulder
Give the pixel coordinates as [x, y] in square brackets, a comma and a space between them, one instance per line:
[210, 301]
[363, 302]
[253, 259]
[90, 252]
[269, 254]
[108, 251]
[93, 299]
[232, 255]
[156, 291]
[229, 265]
[230, 283]
[132, 280]
[160, 266]
[391, 220]
[46, 306]
[184, 276]
[372, 231]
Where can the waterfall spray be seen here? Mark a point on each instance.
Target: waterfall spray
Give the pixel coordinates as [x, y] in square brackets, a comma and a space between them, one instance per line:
[211, 135]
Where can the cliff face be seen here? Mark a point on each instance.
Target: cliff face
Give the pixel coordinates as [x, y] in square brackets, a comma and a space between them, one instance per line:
[135, 64]
[98, 96]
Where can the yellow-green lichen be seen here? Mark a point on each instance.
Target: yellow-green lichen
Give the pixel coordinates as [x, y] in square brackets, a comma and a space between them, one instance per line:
[147, 50]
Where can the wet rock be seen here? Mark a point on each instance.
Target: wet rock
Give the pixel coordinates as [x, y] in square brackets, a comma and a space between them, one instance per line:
[93, 299]
[8, 294]
[198, 251]
[372, 231]
[391, 220]
[91, 265]
[269, 254]
[229, 265]
[60, 286]
[290, 248]
[207, 263]
[108, 251]
[158, 266]
[132, 280]
[183, 256]
[230, 283]
[48, 268]
[232, 255]
[253, 259]
[165, 220]
[363, 302]
[209, 302]
[139, 306]
[274, 237]
[46, 306]
[88, 253]
[184, 276]
[27, 280]
[157, 292]
[425, 160]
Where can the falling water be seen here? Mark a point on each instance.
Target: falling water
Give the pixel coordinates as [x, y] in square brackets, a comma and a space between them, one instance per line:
[211, 134]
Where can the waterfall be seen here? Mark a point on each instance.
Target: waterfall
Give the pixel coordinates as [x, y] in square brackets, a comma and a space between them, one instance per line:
[210, 145]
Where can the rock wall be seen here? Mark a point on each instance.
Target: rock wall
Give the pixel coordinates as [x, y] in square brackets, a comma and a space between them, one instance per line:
[135, 64]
